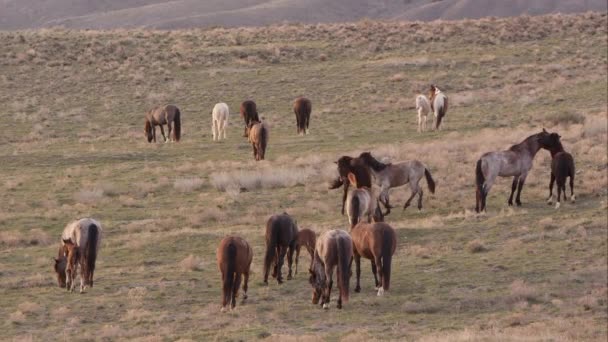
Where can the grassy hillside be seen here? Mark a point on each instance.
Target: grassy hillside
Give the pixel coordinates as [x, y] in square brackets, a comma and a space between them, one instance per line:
[73, 146]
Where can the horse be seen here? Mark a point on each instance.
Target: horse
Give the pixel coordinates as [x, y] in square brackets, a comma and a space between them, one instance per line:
[389, 176]
[376, 242]
[163, 115]
[355, 166]
[515, 162]
[334, 249]
[281, 237]
[86, 235]
[302, 108]
[307, 239]
[234, 256]
[423, 106]
[219, 116]
[72, 256]
[258, 137]
[562, 167]
[439, 104]
[249, 113]
[359, 204]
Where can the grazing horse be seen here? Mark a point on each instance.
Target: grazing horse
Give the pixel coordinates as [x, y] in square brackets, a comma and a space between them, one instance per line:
[281, 236]
[562, 167]
[234, 256]
[258, 137]
[302, 108]
[85, 234]
[334, 249]
[389, 176]
[439, 104]
[163, 115]
[515, 162]
[355, 166]
[219, 116]
[423, 106]
[249, 113]
[376, 242]
[72, 256]
[307, 239]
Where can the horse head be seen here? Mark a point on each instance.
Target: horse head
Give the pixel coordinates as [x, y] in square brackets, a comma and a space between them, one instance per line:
[148, 130]
[59, 266]
[318, 284]
[549, 140]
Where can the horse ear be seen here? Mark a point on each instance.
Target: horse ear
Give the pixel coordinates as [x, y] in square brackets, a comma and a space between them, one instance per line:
[335, 162]
[559, 136]
[544, 130]
[352, 179]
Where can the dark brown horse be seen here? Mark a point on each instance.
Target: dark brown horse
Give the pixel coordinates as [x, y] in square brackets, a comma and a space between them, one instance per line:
[163, 115]
[376, 242]
[302, 108]
[358, 168]
[249, 113]
[258, 135]
[562, 167]
[515, 162]
[334, 249]
[307, 239]
[281, 237]
[234, 256]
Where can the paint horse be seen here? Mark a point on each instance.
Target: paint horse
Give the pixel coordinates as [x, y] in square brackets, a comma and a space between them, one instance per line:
[163, 115]
[234, 256]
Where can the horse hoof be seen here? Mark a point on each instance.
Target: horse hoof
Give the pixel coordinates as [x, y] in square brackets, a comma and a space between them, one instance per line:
[223, 309]
[573, 198]
[510, 204]
[357, 289]
[326, 306]
[380, 291]
[518, 204]
[339, 306]
[557, 205]
[289, 277]
[549, 202]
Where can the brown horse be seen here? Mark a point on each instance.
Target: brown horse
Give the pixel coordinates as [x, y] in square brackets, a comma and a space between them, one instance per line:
[258, 137]
[562, 167]
[307, 239]
[281, 237]
[376, 242]
[360, 204]
[163, 115]
[515, 162]
[71, 252]
[302, 108]
[234, 256]
[249, 113]
[389, 176]
[439, 104]
[358, 168]
[334, 249]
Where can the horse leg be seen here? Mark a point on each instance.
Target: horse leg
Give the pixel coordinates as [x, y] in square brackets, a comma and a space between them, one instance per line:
[379, 267]
[223, 127]
[572, 197]
[338, 276]
[560, 185]
[419, 122]
[550, 199]
[375, 272]
[513, 187]
[290, 261]
[329, 271]
[282, 252]
[154, 133]
[357, 258]
[298, 247]
[245, 285]
[235, 289]
[420, 193]
[414, 189]
[162, 131]
[485, 190]
[384, 199]
[522, 179]
[214, 130]
[83, 279]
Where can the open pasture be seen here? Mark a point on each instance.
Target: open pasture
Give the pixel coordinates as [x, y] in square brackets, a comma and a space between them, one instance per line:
[73, 145]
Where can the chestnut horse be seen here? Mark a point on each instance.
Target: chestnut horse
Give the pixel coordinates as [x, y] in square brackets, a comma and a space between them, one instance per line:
[249, 113]
[562, 167]
[258, 137]
[439, 104]
[163, 115]
[302, 108]
[307, 239]
[376, 242]
[85, 234]
[334, 249]
[281, 237]
[515, 162]
[72, 255]
[234, 256]
[358, 168]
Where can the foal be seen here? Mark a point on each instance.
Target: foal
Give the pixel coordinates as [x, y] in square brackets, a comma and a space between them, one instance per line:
[423, 106]
[307, 239]
[562, 167]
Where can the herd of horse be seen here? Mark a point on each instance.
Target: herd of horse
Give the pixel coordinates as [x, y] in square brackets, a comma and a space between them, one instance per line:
[334, 250]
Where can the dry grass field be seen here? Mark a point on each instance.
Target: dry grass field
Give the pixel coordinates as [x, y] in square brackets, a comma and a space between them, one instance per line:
[72, 145]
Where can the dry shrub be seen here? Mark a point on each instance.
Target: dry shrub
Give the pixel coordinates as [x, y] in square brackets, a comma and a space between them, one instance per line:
[29, 307]
[565, 118]
[476, 246]
[520, 290]
[261, 179]
[588, 302]
[89, 196]
[111, 332]
[60, 312]
[397, 77]
[420, 251]
[16, 317]
[137, 295]
[187, 184]
[191, 263]
[421, 308]
[596, 125]
[32, 238]
[136, 315]
[208, 215]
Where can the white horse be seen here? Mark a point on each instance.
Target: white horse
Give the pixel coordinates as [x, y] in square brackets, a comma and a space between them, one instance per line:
[423, 106]
[220, 115]
[86, 235]
[439, 105]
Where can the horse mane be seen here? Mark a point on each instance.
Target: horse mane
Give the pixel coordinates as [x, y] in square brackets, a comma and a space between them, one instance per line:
[521, 146]
[372, 162]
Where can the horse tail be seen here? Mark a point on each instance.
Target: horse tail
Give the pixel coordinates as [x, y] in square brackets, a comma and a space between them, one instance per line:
[344, 259]
[271, 246]
[387, 243]
[263, 140]
[90, 252]
[177, 125]
[479, 181]
[429, 180]
[229, 275]
[355, 210]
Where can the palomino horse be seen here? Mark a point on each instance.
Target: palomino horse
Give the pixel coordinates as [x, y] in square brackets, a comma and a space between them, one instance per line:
[219, 122]
[376, 242]
[302, 108]
[307, 239]
[334, 249]
[439, 104]
[163, 115]
[258, 137]
[355, 166]
[360, 204]
[86, 235]
[562, 167]
[423, 106]
[249, 113]
[389, 176]
[515, 162]
[234, 256]
[281, 236]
